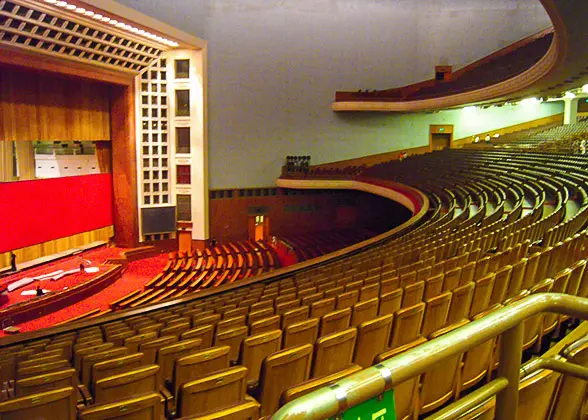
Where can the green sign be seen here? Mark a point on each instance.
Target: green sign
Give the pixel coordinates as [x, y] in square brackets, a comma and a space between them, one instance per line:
[378, 408]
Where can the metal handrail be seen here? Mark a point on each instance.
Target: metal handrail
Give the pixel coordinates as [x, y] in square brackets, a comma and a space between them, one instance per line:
[327, 402]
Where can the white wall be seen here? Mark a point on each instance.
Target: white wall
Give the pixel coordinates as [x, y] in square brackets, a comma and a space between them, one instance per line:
[57, 166]
[274, 67]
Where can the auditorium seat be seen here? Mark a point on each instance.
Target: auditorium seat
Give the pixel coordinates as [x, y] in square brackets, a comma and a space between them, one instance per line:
[130, 384]
[147, 407]
[281, 371]
[58, 404]
[213, 392]
[255, 349]
[333, 352]
[373, 337]
[304, 332]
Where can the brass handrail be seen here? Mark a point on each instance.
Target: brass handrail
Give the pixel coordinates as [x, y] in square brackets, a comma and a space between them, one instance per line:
[329, 401]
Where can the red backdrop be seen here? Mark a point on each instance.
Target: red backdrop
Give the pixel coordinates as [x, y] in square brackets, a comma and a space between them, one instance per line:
[32, 212]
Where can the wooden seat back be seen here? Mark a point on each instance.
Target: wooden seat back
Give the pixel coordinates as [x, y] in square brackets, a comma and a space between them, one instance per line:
[126, 385]
[373, 337]
[279, 372]
[333, 352]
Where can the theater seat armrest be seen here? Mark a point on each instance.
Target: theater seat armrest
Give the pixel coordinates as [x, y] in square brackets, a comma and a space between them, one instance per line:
[168, 402]
[84, 396]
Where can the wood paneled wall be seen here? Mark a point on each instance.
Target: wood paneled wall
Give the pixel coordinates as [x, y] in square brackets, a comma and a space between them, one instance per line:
[293, 214]
[57, 245]
[43, 106]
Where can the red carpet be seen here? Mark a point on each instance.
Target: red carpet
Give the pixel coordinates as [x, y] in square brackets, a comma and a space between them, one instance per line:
[137, 274]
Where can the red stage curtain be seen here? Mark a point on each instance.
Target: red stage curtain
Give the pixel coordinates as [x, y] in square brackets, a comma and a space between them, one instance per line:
[32, 212]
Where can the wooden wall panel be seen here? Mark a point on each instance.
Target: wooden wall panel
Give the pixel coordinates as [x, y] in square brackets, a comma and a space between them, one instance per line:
[124, 176]
[57, 245]
[323, 211]
[43, 106]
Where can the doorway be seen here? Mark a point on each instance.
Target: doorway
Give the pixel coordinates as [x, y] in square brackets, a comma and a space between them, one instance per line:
[440, 137]
[258, 227]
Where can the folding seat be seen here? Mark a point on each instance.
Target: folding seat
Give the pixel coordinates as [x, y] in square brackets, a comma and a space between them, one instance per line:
[335, 321]
[534, 324]
[132, 343]
[407, 325]
[405, 392]
[333, 352]
[294, 316]
[46, 382]
[543, 269]
[390, 285]
[560, 283]
[167, 356]
[36, 370]
[260, 314]
[230, 323]
[572, 391]
[66, 346]
[438, 268]
[536, 393]
[281, 371]
[481, 268]
[287, 306]
[151, 328]
[304, 332]
[477, 361]
[461, 302]
[310, 299]
[232, 338]
[322, 307]
[424, 273]
[203, 332]
[436, 313]
[232, 313]
[58, 404]
[501, 283]
[575, 278]
[89, 343]
[438, 384]
[40, 360]
[323, 287]
[205, 320]
[373, 337]
[287, 297]
[118, 338]
[413, 294]
[175, 330]
[264, 325]
[255, 349]
[451, 279]
[126, 385]
[434, 286]
[408, 278]
[530, 278]
[467, 273]
[482, 293]
[369, 292]
[516, 278]
[147, 407]
[198, 365]
[149, 348]
[364, 311]
[390, 302]
[89, 360]
[306, 291]
[104, 369]
[354, 285]
[79, 354]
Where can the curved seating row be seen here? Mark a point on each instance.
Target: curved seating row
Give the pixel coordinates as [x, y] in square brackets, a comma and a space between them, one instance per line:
[501, 226]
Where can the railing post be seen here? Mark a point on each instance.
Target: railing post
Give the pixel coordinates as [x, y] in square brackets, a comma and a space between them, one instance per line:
[507, 400]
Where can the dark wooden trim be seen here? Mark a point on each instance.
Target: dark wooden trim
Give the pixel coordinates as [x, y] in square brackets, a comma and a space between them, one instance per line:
[10, 56]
